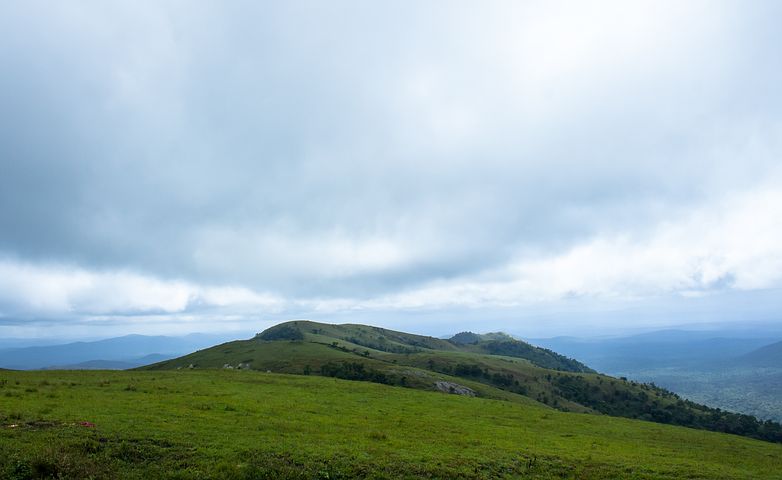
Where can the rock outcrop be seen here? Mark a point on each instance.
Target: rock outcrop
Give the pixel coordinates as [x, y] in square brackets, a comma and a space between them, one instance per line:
[454, 388]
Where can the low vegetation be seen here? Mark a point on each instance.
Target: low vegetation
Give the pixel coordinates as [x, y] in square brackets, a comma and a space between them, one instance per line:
[244, 424]
[492, 366]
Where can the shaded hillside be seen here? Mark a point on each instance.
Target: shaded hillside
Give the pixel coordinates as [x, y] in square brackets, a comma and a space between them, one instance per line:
[489, 368]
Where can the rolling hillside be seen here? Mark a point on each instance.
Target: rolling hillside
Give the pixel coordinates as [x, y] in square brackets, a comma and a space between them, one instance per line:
[496, 367]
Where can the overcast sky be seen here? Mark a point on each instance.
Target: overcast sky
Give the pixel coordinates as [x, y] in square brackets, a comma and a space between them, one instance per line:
[538, 167]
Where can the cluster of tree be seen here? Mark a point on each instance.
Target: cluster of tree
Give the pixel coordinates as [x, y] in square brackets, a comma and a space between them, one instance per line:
[541, 357]
[468, 370]
[417, 342]
[465, 338]
[649, 402]
[355, 371]
[739, 424]
[624, 399]
[337, 346]
[382, 345]
[282, 332]
[505, 381]
[345, 349]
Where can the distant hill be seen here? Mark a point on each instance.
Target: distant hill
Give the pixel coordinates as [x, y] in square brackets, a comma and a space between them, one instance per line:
[128, 349]
[731, 370]
[768, 356]
[665, 348]
[398, 342]
[491, 367]
[113, 364]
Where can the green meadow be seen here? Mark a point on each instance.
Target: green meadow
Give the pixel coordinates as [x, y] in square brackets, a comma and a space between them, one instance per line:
[493, 366]
[202, 424]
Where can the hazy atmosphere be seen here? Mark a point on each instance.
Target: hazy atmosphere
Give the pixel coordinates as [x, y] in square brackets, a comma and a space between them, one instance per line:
[540, 168]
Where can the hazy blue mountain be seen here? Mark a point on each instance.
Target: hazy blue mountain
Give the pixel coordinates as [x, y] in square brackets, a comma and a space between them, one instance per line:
[767, 356]
[6, 343]
[113, 364]
[128, 349]
[731, 370]
[665, 348]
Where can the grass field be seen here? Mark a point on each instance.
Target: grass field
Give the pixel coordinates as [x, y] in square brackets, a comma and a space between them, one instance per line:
[245, 424]
[504, 369]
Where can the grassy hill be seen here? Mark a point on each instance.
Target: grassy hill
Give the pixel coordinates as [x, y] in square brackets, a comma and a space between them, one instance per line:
[495, 367]
[399, 342]
[192, 424]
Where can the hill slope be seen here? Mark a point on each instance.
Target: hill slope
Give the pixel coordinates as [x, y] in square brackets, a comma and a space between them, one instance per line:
[768, 356]
[492, 368]
[245, 424]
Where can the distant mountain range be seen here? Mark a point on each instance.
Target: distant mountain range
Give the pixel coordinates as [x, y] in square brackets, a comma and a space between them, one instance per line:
[114, 353]
[665, 348]
[769, 356]
[113, 364]
[740, 373]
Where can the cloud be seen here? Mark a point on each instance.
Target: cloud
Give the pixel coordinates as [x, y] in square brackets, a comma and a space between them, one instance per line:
[199, 159]
[731, 245]
[53, 291]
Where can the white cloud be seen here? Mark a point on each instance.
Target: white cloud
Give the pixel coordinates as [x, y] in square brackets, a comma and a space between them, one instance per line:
[44, 290]
[732, 244]
[729, 245]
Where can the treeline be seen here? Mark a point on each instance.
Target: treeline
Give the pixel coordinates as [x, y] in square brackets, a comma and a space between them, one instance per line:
[541, 357]
[623, 398]
[359, 371]
[656, 404]
[382, 344]
[504, 381]
[281, 332]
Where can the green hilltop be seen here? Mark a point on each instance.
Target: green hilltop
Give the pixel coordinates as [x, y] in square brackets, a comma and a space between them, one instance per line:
[493, 366]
